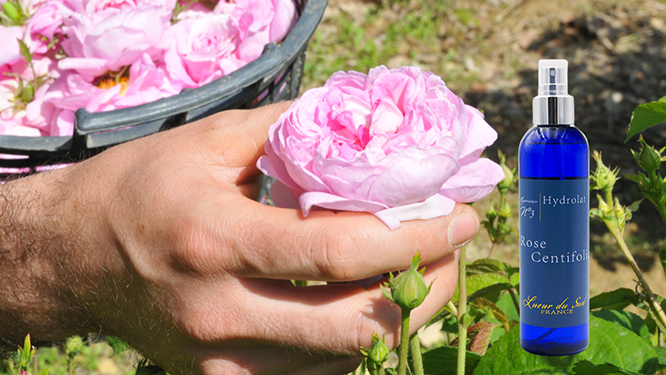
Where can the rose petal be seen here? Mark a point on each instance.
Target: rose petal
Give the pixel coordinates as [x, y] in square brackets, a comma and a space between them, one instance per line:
[474, 181]
[435, 206]
[479, 134]
[91, 65]
[412, 176]
[334, 202]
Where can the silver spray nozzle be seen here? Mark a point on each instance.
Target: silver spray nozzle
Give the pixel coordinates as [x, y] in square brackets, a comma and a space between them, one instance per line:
[553, 105]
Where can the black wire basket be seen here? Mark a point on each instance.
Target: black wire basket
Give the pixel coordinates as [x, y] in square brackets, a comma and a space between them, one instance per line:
[273, 77]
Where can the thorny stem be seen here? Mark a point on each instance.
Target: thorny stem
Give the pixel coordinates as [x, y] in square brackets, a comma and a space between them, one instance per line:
[491, 253]
[512, 292]
[462, 310]
[654, 305]
[415, 348]
[404, 342]
[372, 368]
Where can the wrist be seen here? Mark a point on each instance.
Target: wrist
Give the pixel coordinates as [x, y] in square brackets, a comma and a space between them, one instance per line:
[45, 259]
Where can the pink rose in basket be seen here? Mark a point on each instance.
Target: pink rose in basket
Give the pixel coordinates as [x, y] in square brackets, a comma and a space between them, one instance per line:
[45, 23]
[205, 46]
[396, 143]
[146, 83]
[262, 22]
[203, 49]
[9, 45]
[111, 39]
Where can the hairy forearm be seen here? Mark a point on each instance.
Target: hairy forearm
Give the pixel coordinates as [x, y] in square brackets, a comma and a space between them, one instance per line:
[38, 244]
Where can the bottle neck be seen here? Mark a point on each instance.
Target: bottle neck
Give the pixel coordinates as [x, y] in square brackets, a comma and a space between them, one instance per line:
[553, 110]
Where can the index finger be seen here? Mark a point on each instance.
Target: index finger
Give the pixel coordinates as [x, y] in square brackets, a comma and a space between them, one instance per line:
[239, 134]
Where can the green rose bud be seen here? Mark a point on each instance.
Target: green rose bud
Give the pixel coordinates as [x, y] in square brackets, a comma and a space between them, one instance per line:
[28, 93]
[378, 352]
[648, 157]
[73, 346]
[11, 11]
[505, 210]
[603, 207]
[408, 290]
[491, 214]
[507, 182]
[604, 178]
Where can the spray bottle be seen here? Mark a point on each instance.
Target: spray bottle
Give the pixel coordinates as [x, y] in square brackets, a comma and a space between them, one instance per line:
[554, 222]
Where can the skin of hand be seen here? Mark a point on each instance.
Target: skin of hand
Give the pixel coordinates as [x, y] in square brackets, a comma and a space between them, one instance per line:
[159, 242]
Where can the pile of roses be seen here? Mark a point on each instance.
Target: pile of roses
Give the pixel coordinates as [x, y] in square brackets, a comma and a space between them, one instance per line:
[57, 56]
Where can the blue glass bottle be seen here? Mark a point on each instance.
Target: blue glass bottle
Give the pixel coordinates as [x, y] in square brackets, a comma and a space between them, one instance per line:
[554, 222]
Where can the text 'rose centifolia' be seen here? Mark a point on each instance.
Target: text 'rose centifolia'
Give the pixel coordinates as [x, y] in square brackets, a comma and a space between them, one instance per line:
[396, 143]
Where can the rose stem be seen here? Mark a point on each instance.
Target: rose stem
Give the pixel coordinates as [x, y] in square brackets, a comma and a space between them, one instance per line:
[417, 360]
[654, 305]
[404, 342]
[462, 309]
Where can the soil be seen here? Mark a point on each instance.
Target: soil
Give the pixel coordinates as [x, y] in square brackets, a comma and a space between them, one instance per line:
[615, 50]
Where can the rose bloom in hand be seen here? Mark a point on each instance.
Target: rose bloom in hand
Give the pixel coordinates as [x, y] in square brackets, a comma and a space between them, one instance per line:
[397, 143]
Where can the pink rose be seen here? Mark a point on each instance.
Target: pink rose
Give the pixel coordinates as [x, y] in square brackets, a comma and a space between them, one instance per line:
[261, 21]
[92, 6]
[202, 49]
[45, 23]
[111, 39]
[9, 45]
[192, 10]
[397, 143]
[146, 83]
[13, 113]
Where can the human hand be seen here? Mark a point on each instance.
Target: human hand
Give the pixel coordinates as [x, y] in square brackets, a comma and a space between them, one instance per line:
[164, 247]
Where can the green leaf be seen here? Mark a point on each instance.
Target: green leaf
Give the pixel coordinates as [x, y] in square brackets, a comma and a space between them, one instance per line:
[506, 304]
[25, 51]
[117, 345]
[479, 335]
[515, 279]
[485, 266]
[646, 116]
[450, 324]
[589, 368]
[661, 354]
[480, 281]
[26, 355]
[662, 257]
[609, 343]
[489, 291]
[494, 309]
[617, 299]
[444, 360]
[627, 320]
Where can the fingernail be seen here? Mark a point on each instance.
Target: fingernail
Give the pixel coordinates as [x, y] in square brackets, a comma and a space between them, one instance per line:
[462, 230]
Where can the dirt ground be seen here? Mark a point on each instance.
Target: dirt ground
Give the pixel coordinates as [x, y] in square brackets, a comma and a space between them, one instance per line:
[615, 50]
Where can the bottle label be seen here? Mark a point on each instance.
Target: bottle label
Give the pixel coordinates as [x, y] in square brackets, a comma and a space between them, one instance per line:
[554, 252]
